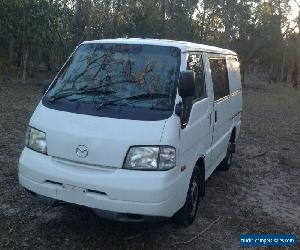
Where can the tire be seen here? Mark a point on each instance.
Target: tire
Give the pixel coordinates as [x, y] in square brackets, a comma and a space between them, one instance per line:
[187, 214]
[227, 162]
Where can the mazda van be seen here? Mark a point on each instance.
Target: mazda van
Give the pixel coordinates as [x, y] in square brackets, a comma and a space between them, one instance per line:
[133, 128]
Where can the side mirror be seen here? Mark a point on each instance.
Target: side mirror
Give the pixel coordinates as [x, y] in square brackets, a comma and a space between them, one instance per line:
[46, 84]
[186, 83]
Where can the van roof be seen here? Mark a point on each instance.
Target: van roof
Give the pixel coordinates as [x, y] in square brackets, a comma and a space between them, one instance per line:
[182, 45]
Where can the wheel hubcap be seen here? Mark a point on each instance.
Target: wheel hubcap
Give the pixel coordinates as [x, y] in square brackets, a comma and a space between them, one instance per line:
[194, 197]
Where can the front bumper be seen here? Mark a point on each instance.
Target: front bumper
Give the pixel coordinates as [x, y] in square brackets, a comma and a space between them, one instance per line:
[150, 193]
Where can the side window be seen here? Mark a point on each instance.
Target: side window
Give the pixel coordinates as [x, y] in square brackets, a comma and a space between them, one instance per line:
[219, 75]
[195, 63]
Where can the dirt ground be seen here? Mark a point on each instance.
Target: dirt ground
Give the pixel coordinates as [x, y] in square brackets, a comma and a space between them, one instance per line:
[259, 194]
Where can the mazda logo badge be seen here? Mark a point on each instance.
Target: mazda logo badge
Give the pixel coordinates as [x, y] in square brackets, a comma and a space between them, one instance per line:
[82, 151]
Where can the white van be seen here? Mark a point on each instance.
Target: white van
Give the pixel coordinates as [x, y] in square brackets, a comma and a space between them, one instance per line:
[134, 127]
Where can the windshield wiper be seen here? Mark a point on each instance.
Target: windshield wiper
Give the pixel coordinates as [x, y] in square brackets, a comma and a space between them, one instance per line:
[93, 91]
[144, 96]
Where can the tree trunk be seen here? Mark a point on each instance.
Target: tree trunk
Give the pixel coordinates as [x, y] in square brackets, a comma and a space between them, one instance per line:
[79, 22]
[243, 73]
[11, 50]
[298, 54]
[107, 21]
[25, 61]
[282, 78]
[271, 74]
[202, 24]
[163, 17]
[228, 18]
[116, 8]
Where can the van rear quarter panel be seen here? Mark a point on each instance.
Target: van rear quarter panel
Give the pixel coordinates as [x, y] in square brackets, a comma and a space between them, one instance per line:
[235, 91]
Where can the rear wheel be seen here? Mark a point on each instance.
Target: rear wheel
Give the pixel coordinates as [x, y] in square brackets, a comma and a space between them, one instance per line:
[186, 215]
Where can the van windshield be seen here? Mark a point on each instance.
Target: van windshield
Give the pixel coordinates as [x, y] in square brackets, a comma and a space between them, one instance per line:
[132, 75]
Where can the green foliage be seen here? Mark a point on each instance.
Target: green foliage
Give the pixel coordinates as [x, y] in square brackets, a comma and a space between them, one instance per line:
[49, 30]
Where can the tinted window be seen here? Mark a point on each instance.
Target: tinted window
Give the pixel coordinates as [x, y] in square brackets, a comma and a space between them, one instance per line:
[122, 74]
[195, 63]
[219, 77]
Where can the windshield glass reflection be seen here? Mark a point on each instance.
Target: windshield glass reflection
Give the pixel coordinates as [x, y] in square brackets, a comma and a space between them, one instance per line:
[120, 74]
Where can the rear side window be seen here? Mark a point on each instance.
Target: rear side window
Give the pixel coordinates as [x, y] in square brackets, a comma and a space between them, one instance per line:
[219, 75]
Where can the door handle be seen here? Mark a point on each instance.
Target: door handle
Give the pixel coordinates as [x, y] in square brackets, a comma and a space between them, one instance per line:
[216, 116]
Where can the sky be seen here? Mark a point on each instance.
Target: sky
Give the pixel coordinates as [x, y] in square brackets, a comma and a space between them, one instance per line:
[294, 10]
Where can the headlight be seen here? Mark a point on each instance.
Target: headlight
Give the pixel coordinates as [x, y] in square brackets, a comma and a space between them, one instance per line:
[150, 158]
[36, 140]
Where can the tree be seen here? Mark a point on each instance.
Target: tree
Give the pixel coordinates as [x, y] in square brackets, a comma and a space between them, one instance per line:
[37, 32]
[298, 47]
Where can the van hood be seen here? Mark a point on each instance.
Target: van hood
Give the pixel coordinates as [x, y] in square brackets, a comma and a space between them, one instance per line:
[106, 139]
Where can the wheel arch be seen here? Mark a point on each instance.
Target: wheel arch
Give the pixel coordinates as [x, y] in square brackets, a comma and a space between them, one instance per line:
[233, 135]
[201, 162]
[233, 139]
[201, 165]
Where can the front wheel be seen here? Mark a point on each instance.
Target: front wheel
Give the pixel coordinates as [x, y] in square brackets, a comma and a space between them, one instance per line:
[186, 215]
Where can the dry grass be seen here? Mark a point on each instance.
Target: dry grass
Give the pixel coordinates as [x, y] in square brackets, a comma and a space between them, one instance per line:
[260, 193]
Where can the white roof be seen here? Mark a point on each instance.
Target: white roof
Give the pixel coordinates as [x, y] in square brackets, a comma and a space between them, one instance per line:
[182, 45]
